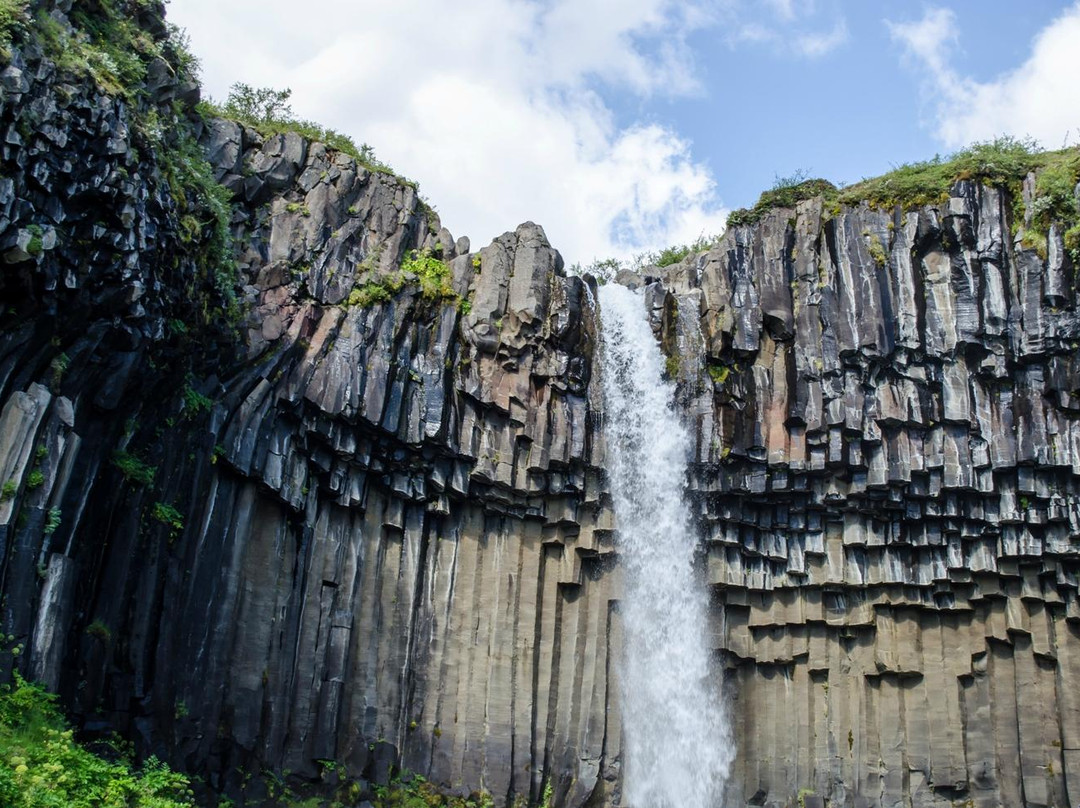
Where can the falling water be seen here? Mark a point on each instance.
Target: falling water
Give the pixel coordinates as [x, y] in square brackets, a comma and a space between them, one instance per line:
[678, 750]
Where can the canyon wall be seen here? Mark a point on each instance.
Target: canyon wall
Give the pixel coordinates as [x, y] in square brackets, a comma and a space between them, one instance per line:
[326, 506]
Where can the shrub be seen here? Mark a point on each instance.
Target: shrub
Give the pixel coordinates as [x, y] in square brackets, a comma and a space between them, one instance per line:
[52, 521]
[99, 630]
[168, 515]
[42, 766]
[194, 401]
[134, 469]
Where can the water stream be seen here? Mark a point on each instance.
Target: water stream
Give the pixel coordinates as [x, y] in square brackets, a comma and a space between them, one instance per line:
[677, 746]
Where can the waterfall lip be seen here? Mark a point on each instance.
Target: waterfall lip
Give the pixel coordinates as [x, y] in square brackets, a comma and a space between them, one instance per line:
[677, 742]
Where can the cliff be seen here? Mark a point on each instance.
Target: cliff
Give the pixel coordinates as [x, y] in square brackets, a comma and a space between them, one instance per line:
[297, 477]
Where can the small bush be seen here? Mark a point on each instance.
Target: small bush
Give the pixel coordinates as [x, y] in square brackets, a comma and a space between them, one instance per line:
[195, 402]
[52, 521]
[433, 275]
[168, 515]
[99, 630]
[134, 469]
[35, 479]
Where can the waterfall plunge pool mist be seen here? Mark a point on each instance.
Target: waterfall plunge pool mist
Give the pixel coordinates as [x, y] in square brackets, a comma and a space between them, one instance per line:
[677, 745]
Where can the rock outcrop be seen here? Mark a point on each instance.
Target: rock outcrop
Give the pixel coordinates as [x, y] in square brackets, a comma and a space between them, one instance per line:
[332, 507]
[886, 476]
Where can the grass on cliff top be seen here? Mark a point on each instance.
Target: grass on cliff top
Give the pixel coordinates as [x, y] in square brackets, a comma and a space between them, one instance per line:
[43, 766]
[268, 111]
[1003, 163]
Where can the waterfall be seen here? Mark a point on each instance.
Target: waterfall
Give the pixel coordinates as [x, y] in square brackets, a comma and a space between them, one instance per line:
[677, 747]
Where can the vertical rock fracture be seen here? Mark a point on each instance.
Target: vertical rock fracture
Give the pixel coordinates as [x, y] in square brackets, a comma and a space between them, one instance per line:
[678, 750]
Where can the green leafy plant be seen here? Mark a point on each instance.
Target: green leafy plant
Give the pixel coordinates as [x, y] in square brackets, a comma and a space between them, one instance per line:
[42, 766]
[195, 402]
[52, 521]
[134, 469]
[99, 630]
[35, 479]
[13, 21]
[168, 515]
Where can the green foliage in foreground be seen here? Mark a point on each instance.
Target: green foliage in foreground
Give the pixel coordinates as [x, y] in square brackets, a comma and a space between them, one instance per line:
[413, 791]
[13, 19]
[42, 766]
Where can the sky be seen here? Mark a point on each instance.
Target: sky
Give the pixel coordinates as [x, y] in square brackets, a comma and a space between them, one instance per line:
[623, 126]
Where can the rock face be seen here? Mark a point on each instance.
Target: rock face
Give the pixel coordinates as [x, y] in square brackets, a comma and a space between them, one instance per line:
[367, 522]
[887, 458]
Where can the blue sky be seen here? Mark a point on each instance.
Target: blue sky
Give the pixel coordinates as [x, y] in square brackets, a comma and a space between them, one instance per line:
[628, 125]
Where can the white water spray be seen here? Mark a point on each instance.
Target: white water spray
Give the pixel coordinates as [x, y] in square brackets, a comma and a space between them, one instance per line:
[678, 749]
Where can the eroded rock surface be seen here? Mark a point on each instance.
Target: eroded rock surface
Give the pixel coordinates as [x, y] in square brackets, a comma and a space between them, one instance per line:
[374, 528]
[887, 457]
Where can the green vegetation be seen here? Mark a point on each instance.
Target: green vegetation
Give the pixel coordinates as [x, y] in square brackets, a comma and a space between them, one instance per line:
[268, 111]
[110, 47]
[99, 630]
[413, 791]
[42, 766]
[1003, 162]
[8, 491]
[168, 515]
[204, 208]
[35, 479]
[671, 367]
[134, 469]
[876, 249]
[431, 274]
[13, 20]
[195, 402]
[35, 245]
[59, 366]
[676, 253]
[718, 372]
[52, 521]
[786, 192]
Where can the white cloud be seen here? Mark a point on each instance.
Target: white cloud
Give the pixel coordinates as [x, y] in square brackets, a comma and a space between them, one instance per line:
[813, 45]
[495, 106]
[789, 27]
[503, 109]
[1040, 98]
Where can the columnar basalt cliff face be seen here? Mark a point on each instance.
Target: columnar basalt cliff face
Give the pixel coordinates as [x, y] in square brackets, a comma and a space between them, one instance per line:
[365, 518]
[370, 530]
[887, 458]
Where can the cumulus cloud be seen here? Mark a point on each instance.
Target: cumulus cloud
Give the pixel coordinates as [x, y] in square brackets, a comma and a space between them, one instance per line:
[505, 110]
[497, 107]
[1040, 98]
